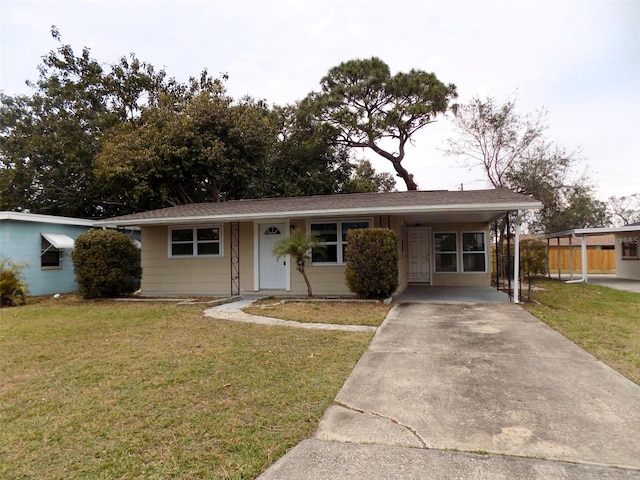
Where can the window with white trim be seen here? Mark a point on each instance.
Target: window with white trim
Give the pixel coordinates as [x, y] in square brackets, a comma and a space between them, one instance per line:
[446, 252]
[473, 252]
[334, 237]
[195, 241]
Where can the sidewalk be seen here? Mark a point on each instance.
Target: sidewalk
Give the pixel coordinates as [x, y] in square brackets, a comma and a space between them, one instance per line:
[233, 311]
[473, 391]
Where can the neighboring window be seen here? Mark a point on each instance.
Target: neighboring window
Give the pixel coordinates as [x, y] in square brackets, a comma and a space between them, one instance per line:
[49, 255]
[473, 252]
[446, 256]
[334, 236]
[272, 231]
[630, 249]
[196, 242]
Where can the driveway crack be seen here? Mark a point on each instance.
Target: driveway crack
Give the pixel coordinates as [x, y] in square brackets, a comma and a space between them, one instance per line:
[410, 429]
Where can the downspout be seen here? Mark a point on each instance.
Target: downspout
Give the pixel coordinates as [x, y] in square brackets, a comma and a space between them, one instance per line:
[570, 259]
[516, 261]
[495, 229]
[583, 251]
[508, 256]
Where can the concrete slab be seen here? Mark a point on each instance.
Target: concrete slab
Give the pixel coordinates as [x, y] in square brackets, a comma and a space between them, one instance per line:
[319, 460]
[614, 282]
[427, 293]
[442, 379]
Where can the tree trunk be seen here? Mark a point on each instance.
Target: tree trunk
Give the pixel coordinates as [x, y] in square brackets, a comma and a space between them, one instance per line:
[397, 164]
[306, 280]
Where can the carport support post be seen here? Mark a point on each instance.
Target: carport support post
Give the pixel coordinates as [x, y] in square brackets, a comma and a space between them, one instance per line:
[516, 260]
[585, 267]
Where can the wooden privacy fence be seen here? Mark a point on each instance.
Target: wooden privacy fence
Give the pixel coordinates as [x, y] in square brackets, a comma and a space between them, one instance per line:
[598, 260]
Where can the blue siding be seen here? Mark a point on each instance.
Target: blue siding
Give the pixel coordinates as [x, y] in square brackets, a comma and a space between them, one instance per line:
[20, 242]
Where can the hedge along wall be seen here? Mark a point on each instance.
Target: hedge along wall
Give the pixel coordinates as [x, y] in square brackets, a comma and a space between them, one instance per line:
[372, 262]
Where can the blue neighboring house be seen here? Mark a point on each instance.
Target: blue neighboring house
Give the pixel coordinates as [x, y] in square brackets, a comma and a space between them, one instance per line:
[43, 243]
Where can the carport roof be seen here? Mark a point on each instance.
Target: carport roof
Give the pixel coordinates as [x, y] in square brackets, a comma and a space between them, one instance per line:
[471, 205]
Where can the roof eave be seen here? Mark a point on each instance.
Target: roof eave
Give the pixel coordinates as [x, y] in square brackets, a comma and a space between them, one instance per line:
[592, 231]
[418, 209]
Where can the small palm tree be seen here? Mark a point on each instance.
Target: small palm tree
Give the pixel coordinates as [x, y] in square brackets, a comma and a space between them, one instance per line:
[299, 246]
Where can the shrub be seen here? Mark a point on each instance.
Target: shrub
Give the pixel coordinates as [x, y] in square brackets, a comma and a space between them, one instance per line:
[106, 264]
[533, 260]
[13, 289]
[372, 262]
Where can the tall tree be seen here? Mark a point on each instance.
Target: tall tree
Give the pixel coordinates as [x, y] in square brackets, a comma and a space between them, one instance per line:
[514, 154]
[494, 137]
[624, 210]
[48, 141]
[367, 107]
[193, 145]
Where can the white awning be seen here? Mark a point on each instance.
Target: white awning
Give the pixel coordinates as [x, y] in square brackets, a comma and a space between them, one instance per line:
[58, 240]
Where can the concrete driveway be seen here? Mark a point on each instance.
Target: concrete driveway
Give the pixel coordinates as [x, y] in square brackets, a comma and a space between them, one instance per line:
[473, 391]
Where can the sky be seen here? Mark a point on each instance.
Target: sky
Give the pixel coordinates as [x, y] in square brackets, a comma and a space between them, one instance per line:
[577, 60]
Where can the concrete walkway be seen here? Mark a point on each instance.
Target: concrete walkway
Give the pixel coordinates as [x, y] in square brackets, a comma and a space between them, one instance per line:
[233, 311]
[473, 391]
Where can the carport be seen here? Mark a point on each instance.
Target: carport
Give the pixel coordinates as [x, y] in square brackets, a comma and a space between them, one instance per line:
[627, 241]
[426, 293]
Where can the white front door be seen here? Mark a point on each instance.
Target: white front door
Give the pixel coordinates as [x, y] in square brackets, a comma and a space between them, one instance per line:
[272, 270]
[419, 261]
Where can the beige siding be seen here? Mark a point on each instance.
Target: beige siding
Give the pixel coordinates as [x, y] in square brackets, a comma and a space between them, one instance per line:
[460, 279]
[212, 276]
[162, 275]
[628, 268]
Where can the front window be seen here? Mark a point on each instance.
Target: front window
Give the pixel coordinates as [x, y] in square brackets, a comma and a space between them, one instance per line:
[334, 237]
[446, 257]
[473, 252]
[630, 249]
[195, 242]
[49, 255]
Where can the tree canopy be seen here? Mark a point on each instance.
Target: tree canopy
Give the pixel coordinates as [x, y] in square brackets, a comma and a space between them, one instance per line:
[96, 140]
[514, 153]
[364, 106]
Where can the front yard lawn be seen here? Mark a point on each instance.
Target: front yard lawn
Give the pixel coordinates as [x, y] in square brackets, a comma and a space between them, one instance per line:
[138, 390]
[603, 321]
[334, 312]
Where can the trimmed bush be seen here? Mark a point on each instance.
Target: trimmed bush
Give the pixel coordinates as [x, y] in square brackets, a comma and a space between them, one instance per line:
[106, 264]
[372, 262]
[13, 289]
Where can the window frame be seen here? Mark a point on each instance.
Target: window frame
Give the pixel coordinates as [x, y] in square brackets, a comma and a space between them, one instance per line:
[483, 252]
[194, 241]
[628, 245]
[49, 249]
[446, 252]
[339, 243]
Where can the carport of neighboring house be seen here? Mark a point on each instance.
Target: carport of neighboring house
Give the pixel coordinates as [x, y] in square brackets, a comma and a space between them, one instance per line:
[626, 242]
[227, 247]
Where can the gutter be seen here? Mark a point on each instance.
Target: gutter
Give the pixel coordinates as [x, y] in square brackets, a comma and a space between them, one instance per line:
[493, 207]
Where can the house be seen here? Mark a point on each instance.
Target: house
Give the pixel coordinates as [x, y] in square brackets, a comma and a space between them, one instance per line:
[226, 248]
[43, 243]
[601, 256]
[626, 241]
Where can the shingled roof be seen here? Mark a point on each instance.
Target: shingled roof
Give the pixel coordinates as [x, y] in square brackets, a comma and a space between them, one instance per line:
[412, 202]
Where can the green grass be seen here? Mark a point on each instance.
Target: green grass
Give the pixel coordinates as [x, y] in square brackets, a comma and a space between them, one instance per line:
[341, 313]
[112, 390]
[603, 321]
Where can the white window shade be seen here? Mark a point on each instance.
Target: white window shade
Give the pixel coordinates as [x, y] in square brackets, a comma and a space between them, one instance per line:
[58, 240]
